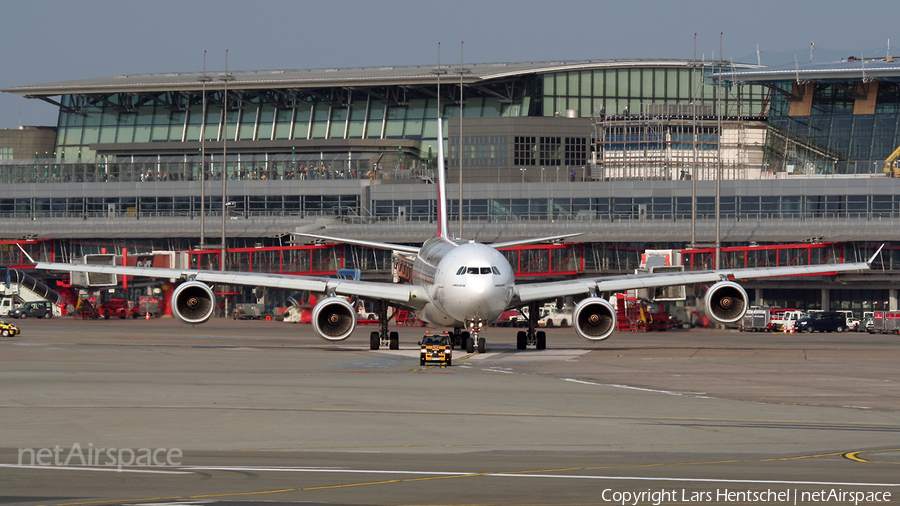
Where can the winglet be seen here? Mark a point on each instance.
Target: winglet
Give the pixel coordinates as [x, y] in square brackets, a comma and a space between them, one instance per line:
[26, 254]
[875, 255]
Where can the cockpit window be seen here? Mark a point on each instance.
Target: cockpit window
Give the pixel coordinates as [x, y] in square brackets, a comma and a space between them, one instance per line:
[477, 270]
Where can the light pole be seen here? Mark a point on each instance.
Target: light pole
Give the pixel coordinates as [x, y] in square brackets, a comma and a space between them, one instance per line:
[203, 79]
[225, 78]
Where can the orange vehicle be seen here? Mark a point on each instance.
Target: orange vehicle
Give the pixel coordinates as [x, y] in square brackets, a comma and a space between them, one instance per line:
[436, 348]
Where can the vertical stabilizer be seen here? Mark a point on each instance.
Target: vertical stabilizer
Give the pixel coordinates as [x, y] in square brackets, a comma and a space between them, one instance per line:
[443, 230]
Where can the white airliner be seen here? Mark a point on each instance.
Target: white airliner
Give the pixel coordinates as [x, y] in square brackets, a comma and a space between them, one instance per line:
[458, 284]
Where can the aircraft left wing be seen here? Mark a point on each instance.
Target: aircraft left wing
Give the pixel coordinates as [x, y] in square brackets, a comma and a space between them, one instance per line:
[555, 289]
[411, 295]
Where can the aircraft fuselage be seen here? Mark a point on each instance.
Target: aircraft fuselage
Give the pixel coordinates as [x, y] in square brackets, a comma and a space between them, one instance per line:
[467, 282]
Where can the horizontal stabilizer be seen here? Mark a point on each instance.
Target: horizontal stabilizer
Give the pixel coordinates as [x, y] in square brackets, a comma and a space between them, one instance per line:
[535, 240]
[358, 242]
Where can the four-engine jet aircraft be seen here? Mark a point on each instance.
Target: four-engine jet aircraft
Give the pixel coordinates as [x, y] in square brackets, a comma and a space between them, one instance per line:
[459, 284]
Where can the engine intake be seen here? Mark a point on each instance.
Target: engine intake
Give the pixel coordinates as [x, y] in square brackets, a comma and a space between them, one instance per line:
[193, 302]
[726, 302]
[334, 319]
[594, 319]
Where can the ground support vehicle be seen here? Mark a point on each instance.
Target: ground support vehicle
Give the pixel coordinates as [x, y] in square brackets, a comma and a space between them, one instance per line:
[7, 305]
[34, 309]
[866, 325]
[408, 318]
[784, 320]
[8, 329]
[118, 308]
[248, 311]
[556, 319]
[435, 348]
[509, 318]
[756, 320]
[822, 321]
[885, 322]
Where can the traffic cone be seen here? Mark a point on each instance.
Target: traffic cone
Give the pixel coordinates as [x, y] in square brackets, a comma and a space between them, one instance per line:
[148, 316]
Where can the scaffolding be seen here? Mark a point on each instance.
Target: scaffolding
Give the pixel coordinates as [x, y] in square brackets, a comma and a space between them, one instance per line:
[668, 144]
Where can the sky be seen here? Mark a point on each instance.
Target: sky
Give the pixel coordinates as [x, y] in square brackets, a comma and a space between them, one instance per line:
[46, 41]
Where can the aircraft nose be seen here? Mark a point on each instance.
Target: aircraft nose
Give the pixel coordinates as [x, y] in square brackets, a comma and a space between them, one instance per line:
[479, 299]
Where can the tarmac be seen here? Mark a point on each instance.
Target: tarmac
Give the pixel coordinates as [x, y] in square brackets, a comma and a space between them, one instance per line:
[156, 412]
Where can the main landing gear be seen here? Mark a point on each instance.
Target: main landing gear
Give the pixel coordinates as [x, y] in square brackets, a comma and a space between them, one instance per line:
[538, 339]
[379, 338]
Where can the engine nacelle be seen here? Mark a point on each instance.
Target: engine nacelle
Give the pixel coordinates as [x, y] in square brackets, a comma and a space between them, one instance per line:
[193, 302]
[726, 302]
[594, 319]
[334, 319]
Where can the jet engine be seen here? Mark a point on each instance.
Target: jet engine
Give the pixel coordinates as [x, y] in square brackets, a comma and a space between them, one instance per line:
[726, 302]
[193, 302]
[334, 319]
[594, 319]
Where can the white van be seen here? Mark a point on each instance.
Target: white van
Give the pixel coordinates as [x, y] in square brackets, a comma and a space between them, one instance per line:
[7, 306]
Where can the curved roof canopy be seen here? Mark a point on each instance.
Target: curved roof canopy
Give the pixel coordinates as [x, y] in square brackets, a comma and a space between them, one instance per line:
[340, 77]
[843, 71]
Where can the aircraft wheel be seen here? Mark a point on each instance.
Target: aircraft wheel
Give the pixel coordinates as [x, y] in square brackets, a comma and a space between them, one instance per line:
[470, 345]
[521, 340]
[541, 340]
[374, 341]
[395, 340]
[482, 344]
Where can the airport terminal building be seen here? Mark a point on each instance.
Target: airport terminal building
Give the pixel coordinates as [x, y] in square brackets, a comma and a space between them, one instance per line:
[636, 154]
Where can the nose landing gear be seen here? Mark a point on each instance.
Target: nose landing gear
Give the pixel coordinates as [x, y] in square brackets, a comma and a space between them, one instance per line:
[471, 338]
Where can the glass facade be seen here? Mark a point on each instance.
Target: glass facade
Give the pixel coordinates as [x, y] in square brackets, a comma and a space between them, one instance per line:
[390, 112]
[84, 121]
[495, 209]
[839, 135]
[630, 90]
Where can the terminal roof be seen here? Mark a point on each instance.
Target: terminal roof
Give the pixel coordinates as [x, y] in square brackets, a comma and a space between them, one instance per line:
[320, 78]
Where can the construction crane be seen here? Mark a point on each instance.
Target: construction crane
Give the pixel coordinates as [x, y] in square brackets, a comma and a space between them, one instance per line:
[889, 163]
